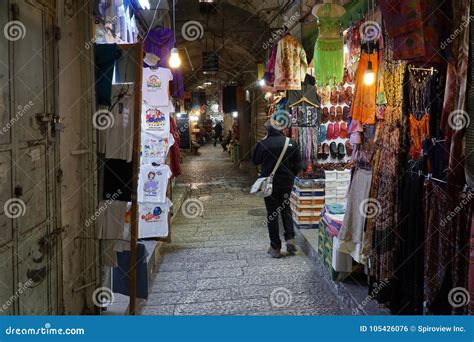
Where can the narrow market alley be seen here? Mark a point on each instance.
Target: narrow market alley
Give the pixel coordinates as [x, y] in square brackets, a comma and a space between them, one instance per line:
[217, 263]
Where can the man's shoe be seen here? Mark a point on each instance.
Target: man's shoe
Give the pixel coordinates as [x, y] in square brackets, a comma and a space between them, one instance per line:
[274, 253]
[291, 247]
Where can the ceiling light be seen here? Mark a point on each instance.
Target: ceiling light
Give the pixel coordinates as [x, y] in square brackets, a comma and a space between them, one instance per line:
[235, 114]
[262, 83]
[175, 60]
[207, 83]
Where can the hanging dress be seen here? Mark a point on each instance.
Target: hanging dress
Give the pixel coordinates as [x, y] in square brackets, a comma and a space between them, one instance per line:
[329, 52]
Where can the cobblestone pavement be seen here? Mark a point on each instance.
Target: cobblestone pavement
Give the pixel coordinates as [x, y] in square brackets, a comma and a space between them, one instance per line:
[217, 262]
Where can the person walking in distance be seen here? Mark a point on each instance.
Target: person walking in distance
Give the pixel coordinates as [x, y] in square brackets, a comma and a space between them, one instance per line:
[266, 154]
[217, 132]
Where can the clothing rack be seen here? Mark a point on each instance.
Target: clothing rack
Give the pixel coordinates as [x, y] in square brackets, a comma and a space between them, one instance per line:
[432, 70]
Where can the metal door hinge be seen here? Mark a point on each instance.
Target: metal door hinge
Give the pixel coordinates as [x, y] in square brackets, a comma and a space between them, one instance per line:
[57, 33]
[59, 175]
[15, 9]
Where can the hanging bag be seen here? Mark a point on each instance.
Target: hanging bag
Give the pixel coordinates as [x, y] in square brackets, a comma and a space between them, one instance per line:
[263, 186]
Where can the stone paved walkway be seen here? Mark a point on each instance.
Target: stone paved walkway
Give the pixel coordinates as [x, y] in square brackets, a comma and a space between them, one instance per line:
[217, 263]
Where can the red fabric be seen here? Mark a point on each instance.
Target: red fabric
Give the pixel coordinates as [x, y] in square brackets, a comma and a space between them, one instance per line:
[175, 153]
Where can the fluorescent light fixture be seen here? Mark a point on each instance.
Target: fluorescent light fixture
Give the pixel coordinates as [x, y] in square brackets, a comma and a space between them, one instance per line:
[144, 4]
[207, 83]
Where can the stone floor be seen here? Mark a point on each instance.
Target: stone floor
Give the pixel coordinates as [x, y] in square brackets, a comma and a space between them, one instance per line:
[217, 263]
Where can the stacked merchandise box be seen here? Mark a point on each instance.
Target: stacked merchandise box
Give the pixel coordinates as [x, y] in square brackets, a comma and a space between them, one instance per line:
[337, 184]
[307, 200]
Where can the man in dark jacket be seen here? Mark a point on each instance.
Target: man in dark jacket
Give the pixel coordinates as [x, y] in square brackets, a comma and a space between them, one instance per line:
[217, 132]
[266, 154]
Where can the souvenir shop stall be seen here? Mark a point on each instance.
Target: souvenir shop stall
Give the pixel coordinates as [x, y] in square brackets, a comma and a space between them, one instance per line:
[386, 141]
[138, 152]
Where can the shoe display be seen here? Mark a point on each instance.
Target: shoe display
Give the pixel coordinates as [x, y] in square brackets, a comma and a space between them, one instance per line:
[338, 113]
[346, 112]
[322, 133]
[332, 114]
[341, 152]
[333, 150]
[349, 148]
[330, 133]
[325, 115]
[343, 130]
[337, 131]
[325, 151]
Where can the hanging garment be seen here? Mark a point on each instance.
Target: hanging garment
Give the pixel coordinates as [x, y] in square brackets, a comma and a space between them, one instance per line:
[121, 274]
[291, 64]
[269, 75]
[175, 152]
[119, 137]
[156, 120]
[351, 236]
[471, 269]
[117, 180]
[153, 183]
[105, 58]
[111, 220]
[455, 96]
[363, 106]
[308, 90]
[329, 53]
[160, 41]
[155, 150]
[419, 29]
[153, 219]
[419, 131]
[155, 88]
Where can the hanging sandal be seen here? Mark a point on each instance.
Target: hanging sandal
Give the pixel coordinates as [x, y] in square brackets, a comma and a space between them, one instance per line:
[333, 96]
[323, 131]
[341, 152]
[337, 131]
[325, 115]
[330, 132]
[349, 148]
[332, 114]
[343, 130]
[325, 151]
[338, 113]
[346, 112]
[333, 150]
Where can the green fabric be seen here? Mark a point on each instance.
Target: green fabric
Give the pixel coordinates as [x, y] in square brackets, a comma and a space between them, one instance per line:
[329, 61]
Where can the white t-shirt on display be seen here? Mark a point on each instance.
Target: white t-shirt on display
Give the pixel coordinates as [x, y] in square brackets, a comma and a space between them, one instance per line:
[153, 182]
[154, 149]
[156, 86]
[156, 120]
[153, 219]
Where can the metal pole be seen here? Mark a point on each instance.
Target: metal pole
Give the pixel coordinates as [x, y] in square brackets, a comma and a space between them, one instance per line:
[135, 169]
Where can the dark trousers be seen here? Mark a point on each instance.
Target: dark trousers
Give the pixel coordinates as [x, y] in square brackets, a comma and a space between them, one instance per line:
[278, 204]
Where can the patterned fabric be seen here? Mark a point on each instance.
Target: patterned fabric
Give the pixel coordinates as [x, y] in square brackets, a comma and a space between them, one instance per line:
[471, 269]
[291, 64]
[418, 28]
[363, 105]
